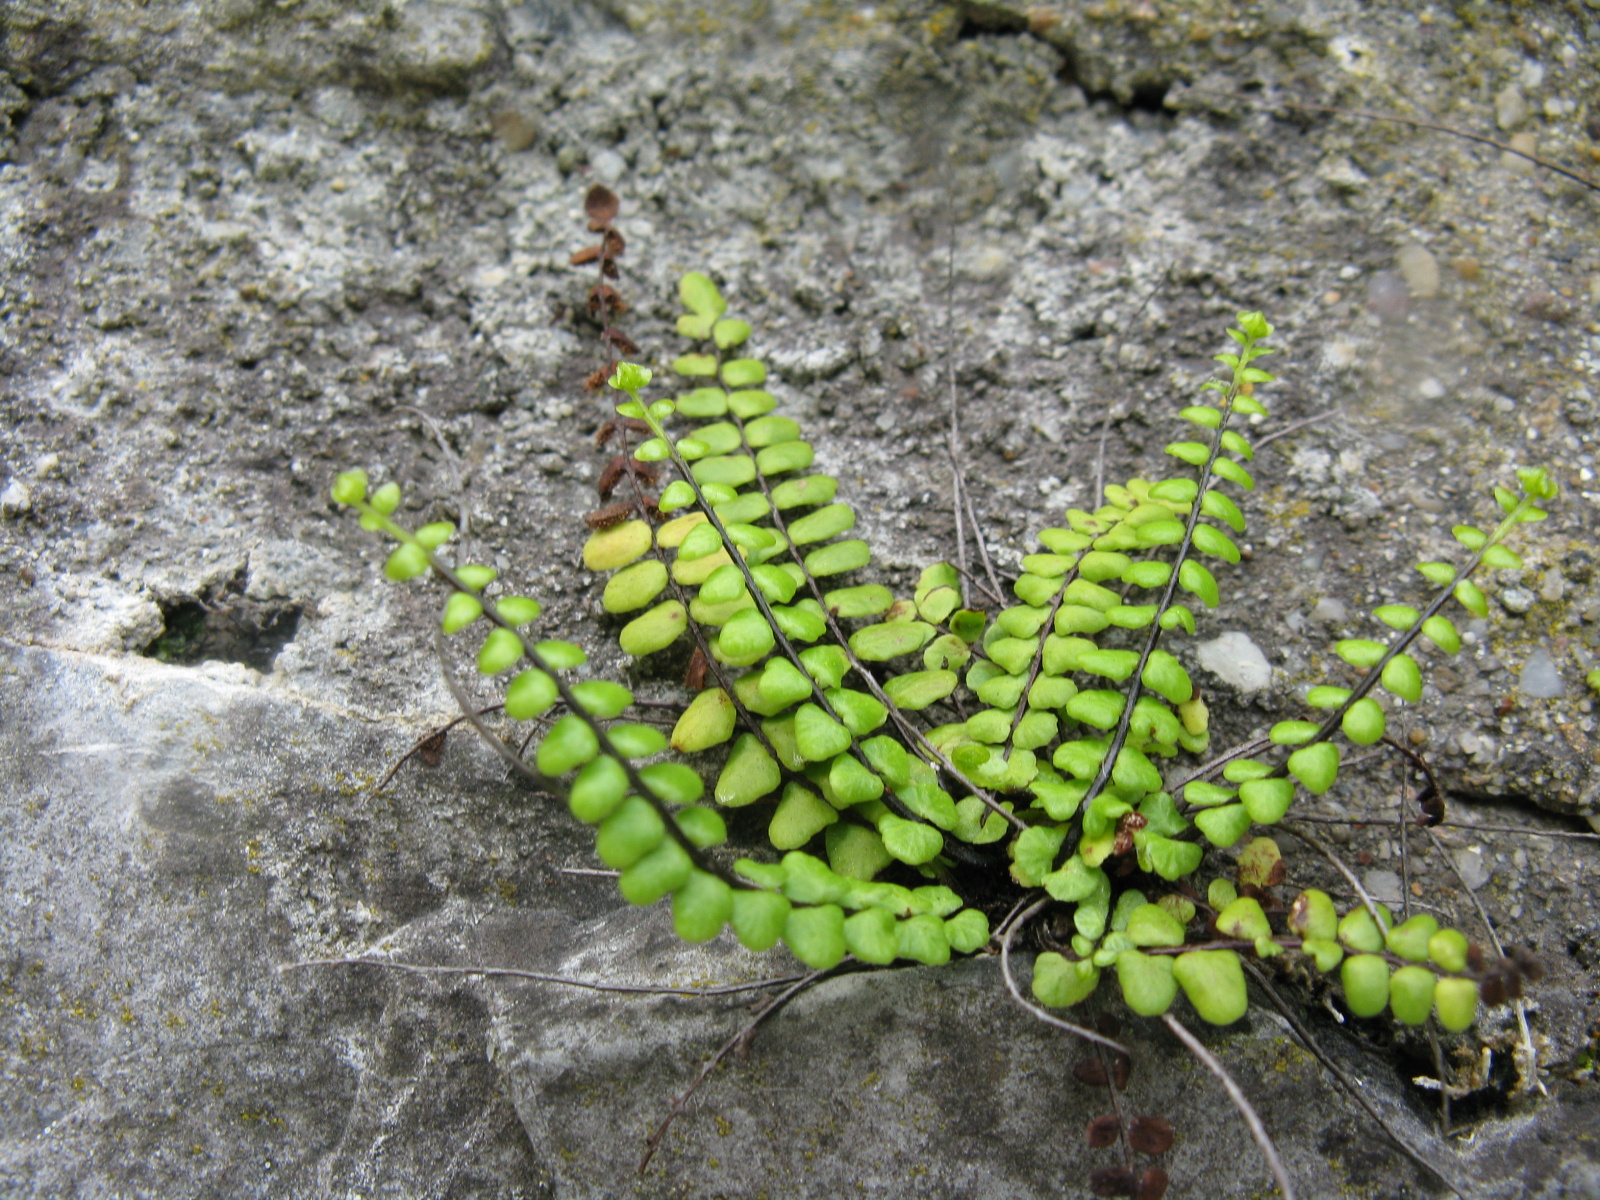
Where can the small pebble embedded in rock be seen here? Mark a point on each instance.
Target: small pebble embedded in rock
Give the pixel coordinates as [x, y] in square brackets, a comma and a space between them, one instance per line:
[1469, 863]
[1523, 144]
[1517, 600]
[1510, 108]
[1546, 306]
[16, 499]
[1420, 270]
[516, 130]
[1540, 677]
[608, 166]
[1382, 886]
[1236, 660]
[1330, 610]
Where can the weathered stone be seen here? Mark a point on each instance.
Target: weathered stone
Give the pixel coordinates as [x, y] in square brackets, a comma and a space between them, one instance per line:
[245, 245]
[1540, 676]
[1236, 660]
[1420, 271]
[172, 836]
[1510, 107]
[917, 1080]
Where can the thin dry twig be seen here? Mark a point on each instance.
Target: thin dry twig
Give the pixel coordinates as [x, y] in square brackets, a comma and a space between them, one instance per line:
[1222, 760]
[1434, 126]
[417, 746]
[974, 581]
[1351, 1087]
[1257, 1130]
[451, 457]
[742, 1038]
[1405, 843]
[726, 989]
[512, 759]
[1294, 425]
[961, 533]
[1551, 833]
[1011, 916]
[958, 484]
[1100, 456]
[1016, 993]
[983, 548]
[1444, 1083]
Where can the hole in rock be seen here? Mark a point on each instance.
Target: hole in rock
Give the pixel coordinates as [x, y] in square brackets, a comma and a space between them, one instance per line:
[226, 628]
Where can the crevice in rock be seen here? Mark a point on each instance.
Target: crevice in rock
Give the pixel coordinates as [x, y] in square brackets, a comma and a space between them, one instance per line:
[980, 19]
[224, 626]
[1145, 95]
[49, 57]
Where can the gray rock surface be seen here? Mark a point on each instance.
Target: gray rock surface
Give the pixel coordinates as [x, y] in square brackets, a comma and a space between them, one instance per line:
[243, 245]
[925, 1082]
[171, 836]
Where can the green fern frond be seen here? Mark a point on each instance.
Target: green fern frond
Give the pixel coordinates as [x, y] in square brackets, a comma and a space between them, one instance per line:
[914, 738]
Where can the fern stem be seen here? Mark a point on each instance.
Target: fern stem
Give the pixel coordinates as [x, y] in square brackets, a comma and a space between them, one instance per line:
[928, 752]
[1108, 763]
[780, 638]
[1038, 654]
[746, 717]
[492, 613]
[1402, 643]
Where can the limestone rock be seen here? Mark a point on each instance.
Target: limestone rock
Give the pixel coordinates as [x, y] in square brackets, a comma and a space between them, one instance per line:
[1420, 270]
[1236, 660]
[244, 244]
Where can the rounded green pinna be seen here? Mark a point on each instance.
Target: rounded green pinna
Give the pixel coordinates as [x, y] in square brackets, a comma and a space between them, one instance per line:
[1060, 983]
[1366, 984]
[701, 906]
[1455, 1002]
[1411, 994]
[1213, 980]
[1147, 982]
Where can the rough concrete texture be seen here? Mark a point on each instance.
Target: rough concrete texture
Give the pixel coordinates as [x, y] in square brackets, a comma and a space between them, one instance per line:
[245, 244]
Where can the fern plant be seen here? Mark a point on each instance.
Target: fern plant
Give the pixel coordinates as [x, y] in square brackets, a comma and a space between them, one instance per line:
[929, 766]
